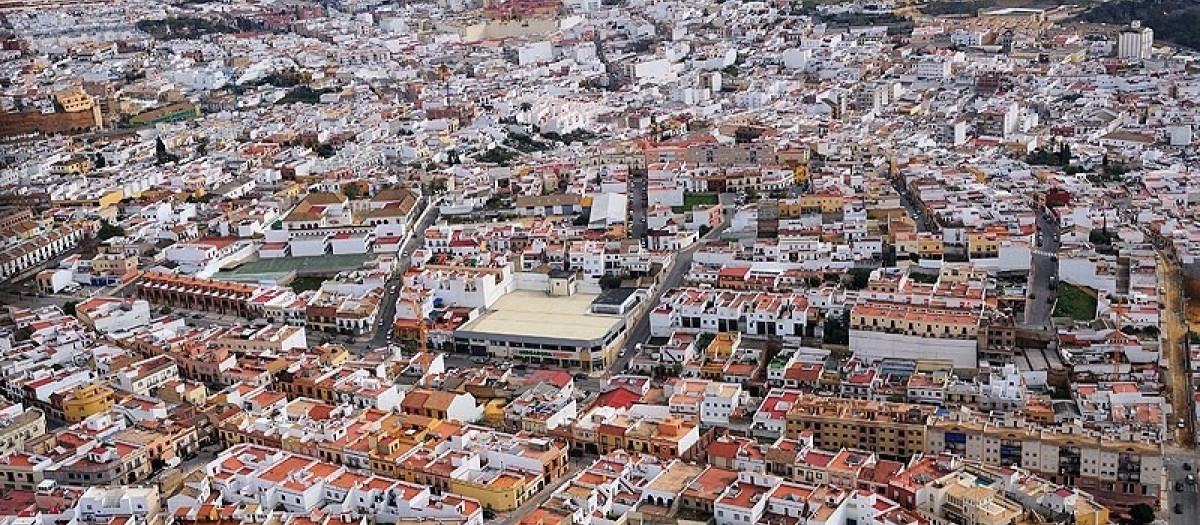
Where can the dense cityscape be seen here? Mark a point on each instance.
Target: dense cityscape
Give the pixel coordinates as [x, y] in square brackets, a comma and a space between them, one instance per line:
[597, 262]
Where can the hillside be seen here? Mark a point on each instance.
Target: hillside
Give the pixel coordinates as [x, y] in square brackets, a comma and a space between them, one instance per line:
[1175, 21]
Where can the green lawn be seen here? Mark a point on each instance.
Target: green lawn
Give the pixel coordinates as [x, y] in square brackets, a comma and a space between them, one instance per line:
[1075, 302]
[691, 200]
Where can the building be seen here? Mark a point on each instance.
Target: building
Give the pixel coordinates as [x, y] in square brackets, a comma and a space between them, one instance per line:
[145, 377]
[1118, 472]
[272, 478]
[560, 328]
[85, 117]
[31, 252]
[18, 425]
[82, 402]
[442, 405]
[895, 431]
[1135, 42]
[99, 505]
[196, 294]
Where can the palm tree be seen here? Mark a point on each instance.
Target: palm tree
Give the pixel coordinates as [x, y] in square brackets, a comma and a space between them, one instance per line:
[525, 108]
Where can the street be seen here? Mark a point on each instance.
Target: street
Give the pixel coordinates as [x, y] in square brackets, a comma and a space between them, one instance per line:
[637, 205]
[1175, 357]
[640, 328]
[1043, 274]
[512, 517]
[914, 212]
[1187, 498]
[383, 328]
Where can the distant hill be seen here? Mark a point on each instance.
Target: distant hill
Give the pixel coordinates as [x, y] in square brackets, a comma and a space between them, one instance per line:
[1175, 21]
[971, 7]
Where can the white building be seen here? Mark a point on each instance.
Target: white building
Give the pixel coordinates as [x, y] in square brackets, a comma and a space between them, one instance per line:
[100, 504]
[1136, 42]
[274, 478]
[146, 376]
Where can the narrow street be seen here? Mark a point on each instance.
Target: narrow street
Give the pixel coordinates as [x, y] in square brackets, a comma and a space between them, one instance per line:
[1173, 335]
[637, 205]
[1043, 270]
[512, 517]
[639, 329]
[383, 330]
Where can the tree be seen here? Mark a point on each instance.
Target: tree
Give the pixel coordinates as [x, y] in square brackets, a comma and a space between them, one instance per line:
[1141, 514]
[99, 162]
[1064, 154]
[608, 282]
[837, 329]
[109, 230]
[69, 307]
[161, 155]
[351, 191]
[438, 185]
[858, 278]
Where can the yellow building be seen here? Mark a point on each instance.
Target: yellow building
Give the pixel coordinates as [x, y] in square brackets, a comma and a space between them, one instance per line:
[100, 199]
[493, 413]
[74, 99]
[821, 202]
[797, 158]
[496, 489]
[114, 264]
[499, 491]
[1088, 512]
[723, 345]
[76, 165]
[929, 247]
[84, 401]
[923, 244]
[982, 245]
[963, 501]
[800, 174]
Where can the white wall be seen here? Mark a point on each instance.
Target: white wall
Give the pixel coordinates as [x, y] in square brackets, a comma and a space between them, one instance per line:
[882, 345]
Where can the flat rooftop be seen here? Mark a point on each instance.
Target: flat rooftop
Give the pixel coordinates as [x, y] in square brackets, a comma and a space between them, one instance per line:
[530, 314]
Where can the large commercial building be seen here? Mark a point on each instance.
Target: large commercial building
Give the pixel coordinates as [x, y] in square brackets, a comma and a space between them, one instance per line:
[561, 328]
